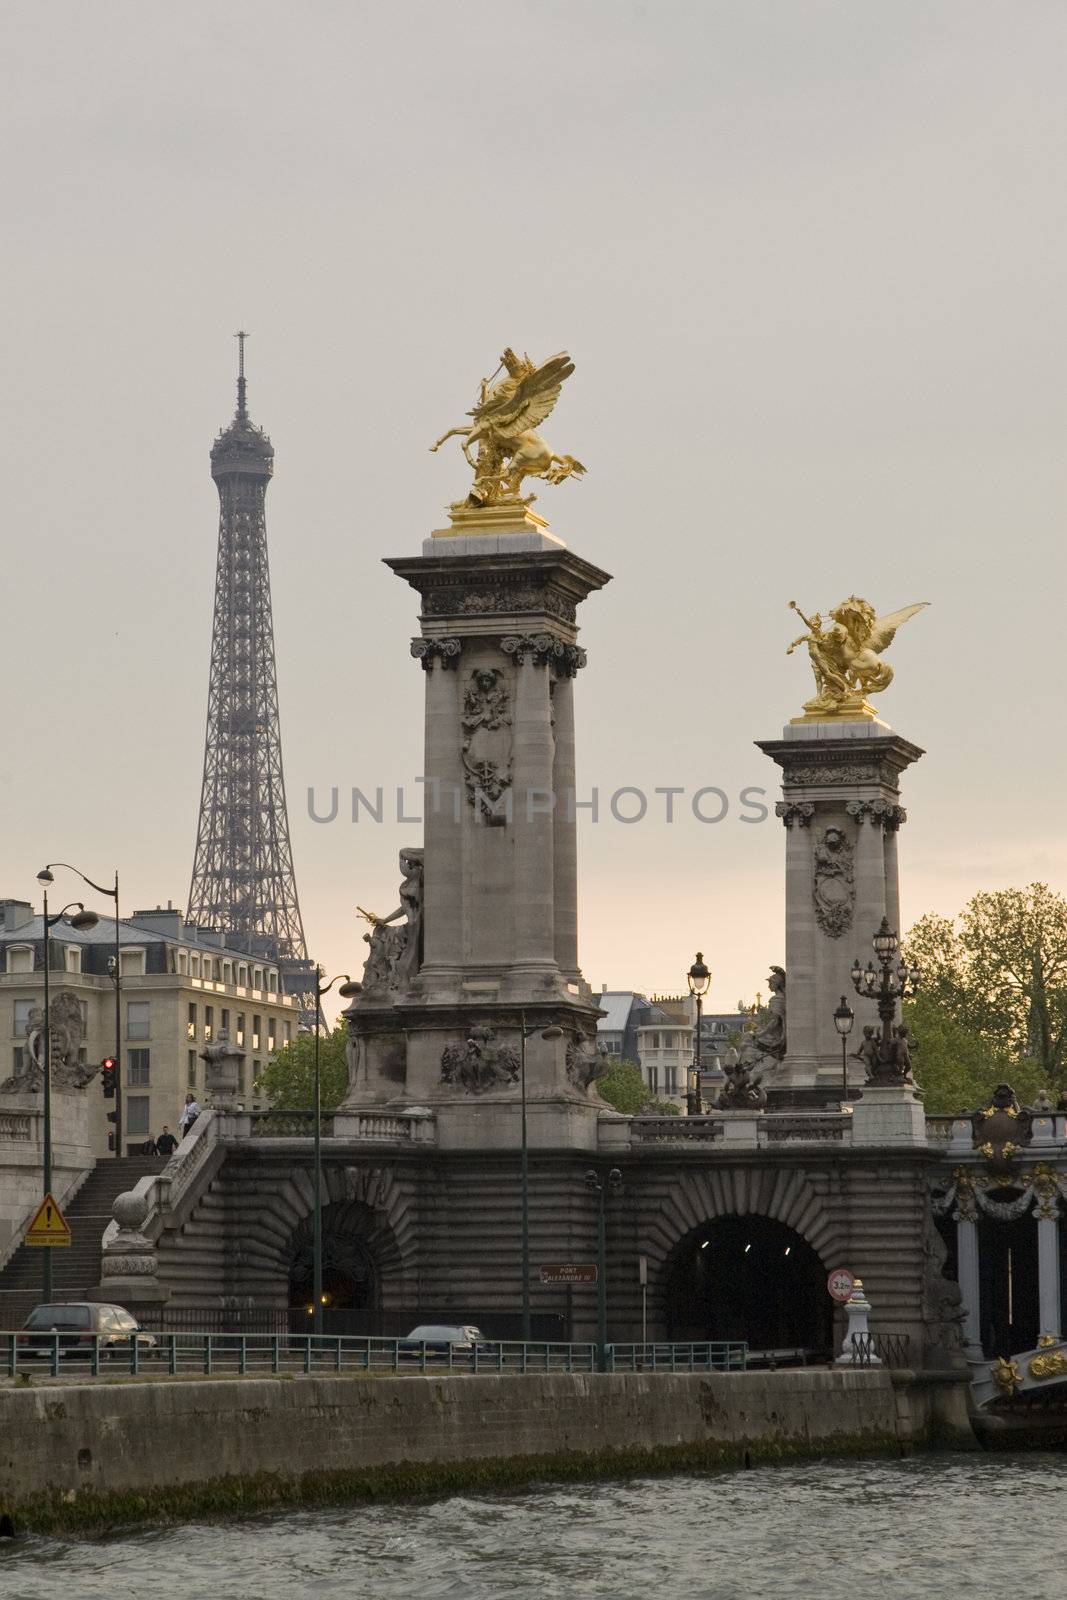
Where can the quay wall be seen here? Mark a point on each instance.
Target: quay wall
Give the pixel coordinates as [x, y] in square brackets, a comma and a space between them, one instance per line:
[95, 1453]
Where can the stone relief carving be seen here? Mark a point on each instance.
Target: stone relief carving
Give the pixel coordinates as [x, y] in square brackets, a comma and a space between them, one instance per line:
[457, 600]
[446, 651]
[67, 1032]
[395, 941]
[833, 885]
[486, 747]
[585, 1063]
[799, 812]
[481, 1063]
[832, 775]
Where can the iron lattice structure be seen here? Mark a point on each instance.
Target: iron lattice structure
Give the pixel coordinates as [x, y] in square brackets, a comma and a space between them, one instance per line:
[243, 880]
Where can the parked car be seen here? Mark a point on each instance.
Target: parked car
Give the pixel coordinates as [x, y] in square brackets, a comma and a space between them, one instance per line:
[444, 1340]
[78, 1323]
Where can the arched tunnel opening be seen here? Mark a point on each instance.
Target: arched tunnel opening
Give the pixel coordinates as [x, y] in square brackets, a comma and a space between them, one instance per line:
[749, 1278]
[349, 1276]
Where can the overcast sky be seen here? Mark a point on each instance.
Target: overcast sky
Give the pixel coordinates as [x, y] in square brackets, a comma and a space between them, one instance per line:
[809, 258]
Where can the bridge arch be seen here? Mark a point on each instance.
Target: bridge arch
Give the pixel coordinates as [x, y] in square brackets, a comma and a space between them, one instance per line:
[743, 1252]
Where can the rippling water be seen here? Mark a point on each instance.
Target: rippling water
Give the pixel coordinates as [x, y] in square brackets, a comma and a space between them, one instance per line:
[965, 1526]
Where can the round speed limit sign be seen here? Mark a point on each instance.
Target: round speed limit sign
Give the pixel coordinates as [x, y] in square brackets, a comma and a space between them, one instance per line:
[840, 1284]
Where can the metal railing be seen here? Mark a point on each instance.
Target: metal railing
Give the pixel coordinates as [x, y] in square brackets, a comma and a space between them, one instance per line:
[716, 1356]
[188, 1354]
[883, 1349]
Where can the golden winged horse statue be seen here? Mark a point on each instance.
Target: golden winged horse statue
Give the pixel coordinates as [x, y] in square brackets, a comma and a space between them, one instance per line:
[846, 657]
[507, 412]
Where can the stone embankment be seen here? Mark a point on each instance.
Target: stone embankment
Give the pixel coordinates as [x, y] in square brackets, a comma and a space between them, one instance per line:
[97, 1454]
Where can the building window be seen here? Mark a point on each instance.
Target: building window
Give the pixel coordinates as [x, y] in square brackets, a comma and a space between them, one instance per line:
[74, 958]
[194, 966]
[21, 1026]
[138, 1019]
[227, 974]
[132, 963]
[183, 961]
[209, 1023]
[653, 1041]
[137, 1069]
[271, 1026]
[191, 1070]
[20, 958]
[272, 982]
[255, 1033]
[288, 1026]
[653, 1079]
[241, 1079]
[242, 975]
[257, 978]
[224, 1021]
[190, 1026]
[240, 1028]
[137, 1114]
[672, 1080]
[18, 1060]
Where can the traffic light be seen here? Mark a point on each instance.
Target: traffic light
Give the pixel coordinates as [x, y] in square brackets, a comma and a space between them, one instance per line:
[107, 1077]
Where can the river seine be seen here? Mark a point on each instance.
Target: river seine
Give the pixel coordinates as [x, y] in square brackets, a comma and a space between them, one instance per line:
[939, 1525]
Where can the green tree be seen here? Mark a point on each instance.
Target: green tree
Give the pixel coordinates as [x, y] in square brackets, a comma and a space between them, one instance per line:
[955, 1067]
[623, 1087]
[999, 971]
[288, 1079]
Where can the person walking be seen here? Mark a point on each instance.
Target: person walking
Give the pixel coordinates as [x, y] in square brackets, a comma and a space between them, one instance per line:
[166, 1144]
[189, 1114]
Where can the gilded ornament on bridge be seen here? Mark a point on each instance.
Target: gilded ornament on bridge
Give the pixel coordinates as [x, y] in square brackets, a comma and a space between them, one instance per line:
[1006, 1375]
[507, 450]
[846, 657]
[1052, 1365]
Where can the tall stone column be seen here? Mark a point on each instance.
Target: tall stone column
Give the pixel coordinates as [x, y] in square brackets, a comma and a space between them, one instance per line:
[840, 789]
[891, 834]
[442, 801]
[533, 821]
[565, 825]
[1048, 1250]
[969, 1282]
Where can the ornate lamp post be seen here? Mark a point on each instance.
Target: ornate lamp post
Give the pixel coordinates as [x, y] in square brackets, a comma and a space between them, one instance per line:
[115, 971]
[887, 984]
[699, 983]
[601, 1187]
[347, 988]
[82, 920]
[844, 1017]
[527, 1033]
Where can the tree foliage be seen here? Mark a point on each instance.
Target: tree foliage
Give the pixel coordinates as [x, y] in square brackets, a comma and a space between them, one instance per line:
[999, 973]
[955, 1067]
[288, 1079]
[623, 1087]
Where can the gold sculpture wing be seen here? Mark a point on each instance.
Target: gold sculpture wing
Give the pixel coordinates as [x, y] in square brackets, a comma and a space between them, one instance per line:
[529, 403]
[881, 635]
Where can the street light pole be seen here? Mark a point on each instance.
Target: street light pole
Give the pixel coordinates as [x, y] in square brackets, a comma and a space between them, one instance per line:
[844, 1016]
[45, 877]
[600, 1186]
[699, 982]
[526, 1033]
[886, 986]
[83, 920]
[347, 987]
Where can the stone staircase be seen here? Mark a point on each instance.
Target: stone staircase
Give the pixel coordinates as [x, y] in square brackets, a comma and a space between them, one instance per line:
[76, 1267]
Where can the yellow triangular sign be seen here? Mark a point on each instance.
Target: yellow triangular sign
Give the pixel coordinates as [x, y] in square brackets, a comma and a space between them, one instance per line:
[49, 1226]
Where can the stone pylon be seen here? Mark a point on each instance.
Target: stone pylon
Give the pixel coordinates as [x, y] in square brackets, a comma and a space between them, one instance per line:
[842, 814]
[485, 942]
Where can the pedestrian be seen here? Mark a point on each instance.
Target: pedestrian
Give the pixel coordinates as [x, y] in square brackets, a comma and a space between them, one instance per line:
[189, 1114]
[166, 1144]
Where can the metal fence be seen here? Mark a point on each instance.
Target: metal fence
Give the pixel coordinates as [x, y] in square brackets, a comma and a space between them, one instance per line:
[881, 1349]
[720, 1356]
[187, 1354]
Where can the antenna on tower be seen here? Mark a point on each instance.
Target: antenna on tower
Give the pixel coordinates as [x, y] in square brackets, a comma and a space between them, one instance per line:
[242, 409]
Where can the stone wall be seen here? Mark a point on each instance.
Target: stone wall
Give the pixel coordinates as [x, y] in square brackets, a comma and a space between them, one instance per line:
[21, 1157]
[150, 1439]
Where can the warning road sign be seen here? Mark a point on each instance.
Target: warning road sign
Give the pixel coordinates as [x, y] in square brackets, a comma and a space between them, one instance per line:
[49, 1226]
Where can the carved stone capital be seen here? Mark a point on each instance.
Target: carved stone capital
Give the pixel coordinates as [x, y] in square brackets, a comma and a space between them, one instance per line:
[538, 646]
[799, 812]
[446, 651]
[879, 813]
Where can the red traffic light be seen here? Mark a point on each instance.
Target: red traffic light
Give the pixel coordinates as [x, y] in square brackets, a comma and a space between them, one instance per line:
[107, 1077]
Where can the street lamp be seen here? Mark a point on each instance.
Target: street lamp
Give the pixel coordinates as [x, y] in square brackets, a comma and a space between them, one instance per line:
[844, 1017]
[82, 921]
[114, 972]
[886, 985]
[347, 988]
[527, 1033]
[699, 983]
[601, 1187]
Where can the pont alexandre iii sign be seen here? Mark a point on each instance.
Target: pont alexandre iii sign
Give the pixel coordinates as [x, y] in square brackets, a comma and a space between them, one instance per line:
[569, 1272]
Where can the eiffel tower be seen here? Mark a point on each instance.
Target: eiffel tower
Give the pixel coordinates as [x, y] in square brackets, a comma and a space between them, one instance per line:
[243, 881]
